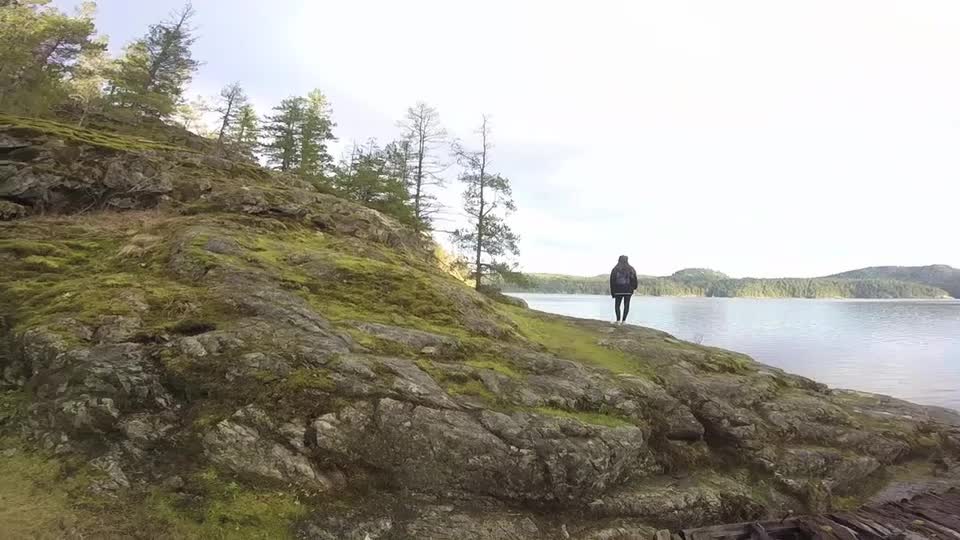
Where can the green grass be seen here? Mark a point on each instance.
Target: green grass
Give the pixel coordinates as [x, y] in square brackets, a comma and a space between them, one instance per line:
[573, 342]
[594, 418]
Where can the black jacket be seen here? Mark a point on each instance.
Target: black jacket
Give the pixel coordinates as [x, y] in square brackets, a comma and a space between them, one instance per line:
[617, 289]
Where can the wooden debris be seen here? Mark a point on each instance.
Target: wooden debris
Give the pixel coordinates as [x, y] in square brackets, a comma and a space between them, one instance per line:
[924, 517]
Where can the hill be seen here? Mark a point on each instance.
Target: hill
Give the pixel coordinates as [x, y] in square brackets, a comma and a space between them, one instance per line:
[940, 276]
[194, 347]
[710, 283]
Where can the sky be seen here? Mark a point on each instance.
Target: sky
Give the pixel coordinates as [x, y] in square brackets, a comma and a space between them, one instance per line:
[762, 138]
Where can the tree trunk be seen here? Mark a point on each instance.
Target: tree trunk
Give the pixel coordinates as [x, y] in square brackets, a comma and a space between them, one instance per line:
[225, 122]
[419, 188]
[482, 213]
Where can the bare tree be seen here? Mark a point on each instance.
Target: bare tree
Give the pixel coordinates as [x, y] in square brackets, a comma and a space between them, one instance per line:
[425, 136]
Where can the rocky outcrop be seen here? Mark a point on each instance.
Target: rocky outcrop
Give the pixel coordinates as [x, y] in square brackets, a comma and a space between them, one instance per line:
[233, 321]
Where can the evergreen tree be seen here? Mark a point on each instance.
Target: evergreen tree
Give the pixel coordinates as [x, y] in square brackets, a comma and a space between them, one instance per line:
[298, 135]
[39, 52]
[244, 134]
[425, 135]
[487, 200]
[231, 101]
[315, 131]
[397, 157]
[88, 81]
[366, 177]
[283, 130]
[154, 71]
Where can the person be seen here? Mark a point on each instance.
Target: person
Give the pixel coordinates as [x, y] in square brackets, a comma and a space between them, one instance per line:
[623, 281]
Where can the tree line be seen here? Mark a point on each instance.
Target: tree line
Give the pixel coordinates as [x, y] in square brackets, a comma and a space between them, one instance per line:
[53, 63]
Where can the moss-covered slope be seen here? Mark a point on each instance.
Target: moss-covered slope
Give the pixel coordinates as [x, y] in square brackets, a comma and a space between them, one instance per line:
[193, 347]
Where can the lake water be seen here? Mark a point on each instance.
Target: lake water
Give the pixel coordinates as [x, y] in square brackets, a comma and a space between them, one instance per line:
[904, 348]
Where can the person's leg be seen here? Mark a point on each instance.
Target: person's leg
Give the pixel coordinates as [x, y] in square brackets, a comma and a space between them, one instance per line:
[616, 306]
[626, 307]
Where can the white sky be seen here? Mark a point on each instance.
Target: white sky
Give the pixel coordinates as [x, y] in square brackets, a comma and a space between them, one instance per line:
[762, 138]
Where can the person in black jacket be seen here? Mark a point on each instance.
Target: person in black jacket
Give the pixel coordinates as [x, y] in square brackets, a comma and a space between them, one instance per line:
[623, 281]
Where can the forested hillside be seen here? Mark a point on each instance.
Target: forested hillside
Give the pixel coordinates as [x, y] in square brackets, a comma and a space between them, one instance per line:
[937, 275]
[699, 282]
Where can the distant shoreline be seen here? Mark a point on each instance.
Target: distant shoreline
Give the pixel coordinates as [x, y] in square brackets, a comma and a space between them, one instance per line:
[947, 299]
[925, 282]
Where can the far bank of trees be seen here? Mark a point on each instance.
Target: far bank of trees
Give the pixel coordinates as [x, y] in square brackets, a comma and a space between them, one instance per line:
[55, 64]
[734, 288]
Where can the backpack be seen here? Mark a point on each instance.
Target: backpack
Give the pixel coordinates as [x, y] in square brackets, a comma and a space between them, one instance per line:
[621, 277]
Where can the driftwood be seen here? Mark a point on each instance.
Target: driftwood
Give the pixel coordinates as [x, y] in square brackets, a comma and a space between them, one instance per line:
[928, 516]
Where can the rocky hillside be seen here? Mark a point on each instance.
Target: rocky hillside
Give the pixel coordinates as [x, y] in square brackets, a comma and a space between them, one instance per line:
[195, 347]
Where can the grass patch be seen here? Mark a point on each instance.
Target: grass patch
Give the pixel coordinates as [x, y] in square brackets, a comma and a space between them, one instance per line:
[573, 342]
[594, 418]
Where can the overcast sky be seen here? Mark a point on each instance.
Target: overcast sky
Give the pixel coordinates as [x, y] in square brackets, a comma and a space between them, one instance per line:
[760, 138]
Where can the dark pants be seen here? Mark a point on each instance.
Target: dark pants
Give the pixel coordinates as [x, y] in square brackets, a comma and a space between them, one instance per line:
[625, 300]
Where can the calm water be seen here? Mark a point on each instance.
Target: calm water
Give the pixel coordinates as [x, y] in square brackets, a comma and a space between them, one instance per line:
[905, 348]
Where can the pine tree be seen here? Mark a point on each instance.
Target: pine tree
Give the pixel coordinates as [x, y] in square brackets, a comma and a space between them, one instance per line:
[366, 178]
[487, 200]
[154, 71]
[315, 131]
[298, 135]
[284, 129]
[232, 99]
[424, 134]
[244, 134]
[39, 52]
[88, 81]
[397, 157]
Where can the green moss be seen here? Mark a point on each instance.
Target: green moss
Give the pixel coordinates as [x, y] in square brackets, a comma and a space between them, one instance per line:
[39, 263]
[727, 362]
[86, 136]
[347, 280]
[573, 342]
[226, 511]
[380, 346]
[33, 504]
[470, 388]
[12, 404]
[307, 378]
[599, 419]
[499, 366]
[74, 270]
[26, 248]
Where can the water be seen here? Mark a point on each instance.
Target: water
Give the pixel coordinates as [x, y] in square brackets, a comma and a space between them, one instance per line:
[904, 348]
